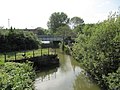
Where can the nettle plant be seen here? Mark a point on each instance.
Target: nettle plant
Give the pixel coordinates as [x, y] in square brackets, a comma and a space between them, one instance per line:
[16, 76]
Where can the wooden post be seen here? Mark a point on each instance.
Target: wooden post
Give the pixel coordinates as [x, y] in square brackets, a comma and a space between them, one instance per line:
[33, 53]
[48, 50]
[55, 74]
[5, 57]
[41, 51]
[48, 76]
[55, 50]
[15, 55]
[24, 55]
[63, 44]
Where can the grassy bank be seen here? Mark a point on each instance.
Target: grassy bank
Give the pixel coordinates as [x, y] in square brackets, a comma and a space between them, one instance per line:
[19, 55]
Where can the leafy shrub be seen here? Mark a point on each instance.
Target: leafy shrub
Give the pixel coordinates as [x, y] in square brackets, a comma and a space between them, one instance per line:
[113, 80]
[16, 76]
[15, 40]
[67, 49]
[98, 49]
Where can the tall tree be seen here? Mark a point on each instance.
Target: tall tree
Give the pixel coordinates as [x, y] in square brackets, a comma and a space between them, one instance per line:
[63, 31]
[40, 31]
[56, 20]
[75, 21]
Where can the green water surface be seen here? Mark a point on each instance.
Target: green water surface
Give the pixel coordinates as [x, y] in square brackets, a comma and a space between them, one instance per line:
[68, 76]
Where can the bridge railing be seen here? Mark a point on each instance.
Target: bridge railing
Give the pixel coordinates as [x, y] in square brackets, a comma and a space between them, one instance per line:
[50, 38]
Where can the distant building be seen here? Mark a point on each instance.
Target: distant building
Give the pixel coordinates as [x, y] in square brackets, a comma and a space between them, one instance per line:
[35, 31]
[38, 30]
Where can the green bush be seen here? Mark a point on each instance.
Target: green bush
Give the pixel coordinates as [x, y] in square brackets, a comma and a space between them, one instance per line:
[17, 40]
[67, 50]
[98, 49]
[113, 80]
[16, 76]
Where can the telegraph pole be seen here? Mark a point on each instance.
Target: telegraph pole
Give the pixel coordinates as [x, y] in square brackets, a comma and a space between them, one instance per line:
[8, 23]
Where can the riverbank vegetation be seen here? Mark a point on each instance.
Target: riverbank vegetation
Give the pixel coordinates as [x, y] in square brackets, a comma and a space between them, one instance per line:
[16, 76]
[22, 54]
[86, 84]
[97, 48]
[17, 40]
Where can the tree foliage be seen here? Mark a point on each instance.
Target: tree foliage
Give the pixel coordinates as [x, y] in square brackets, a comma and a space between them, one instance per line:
[64, 31]
[98, 49]
[40, 31]
[75, 21]
[56, 20]
[15, 40]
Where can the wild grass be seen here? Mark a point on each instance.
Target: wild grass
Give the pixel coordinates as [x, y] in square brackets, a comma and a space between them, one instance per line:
[22, 54]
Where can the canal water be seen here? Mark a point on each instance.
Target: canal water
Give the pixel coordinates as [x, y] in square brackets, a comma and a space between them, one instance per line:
[68, 76]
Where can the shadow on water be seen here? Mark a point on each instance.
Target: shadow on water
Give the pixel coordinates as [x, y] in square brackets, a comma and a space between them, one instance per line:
[68, 76]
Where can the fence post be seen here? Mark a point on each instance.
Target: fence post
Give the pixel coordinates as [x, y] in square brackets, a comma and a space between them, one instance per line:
[15, 55]
[24, 55]
[55, 50]
[5, 57]
[48, 50]
[41, 51]
[33, 53]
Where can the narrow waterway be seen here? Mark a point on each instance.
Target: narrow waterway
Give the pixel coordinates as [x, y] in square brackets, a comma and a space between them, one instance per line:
[68, 76]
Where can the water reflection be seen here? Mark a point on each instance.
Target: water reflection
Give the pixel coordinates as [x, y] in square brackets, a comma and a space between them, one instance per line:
[82, 82]
[46, 74]
[66, 77]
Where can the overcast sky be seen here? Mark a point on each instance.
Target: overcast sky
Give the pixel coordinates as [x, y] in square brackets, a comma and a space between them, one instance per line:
[36, 13]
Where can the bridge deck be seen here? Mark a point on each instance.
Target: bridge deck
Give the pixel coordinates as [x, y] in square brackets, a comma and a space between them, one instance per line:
[50, 38]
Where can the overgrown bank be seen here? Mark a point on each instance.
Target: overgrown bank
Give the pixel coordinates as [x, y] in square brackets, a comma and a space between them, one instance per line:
[16, 76]
[97, 48]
